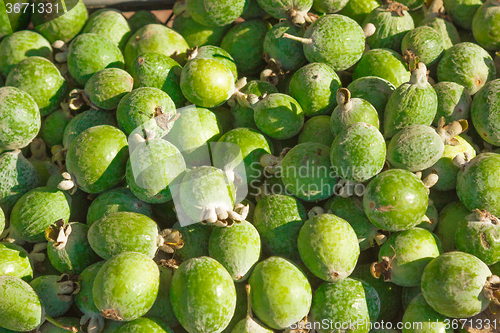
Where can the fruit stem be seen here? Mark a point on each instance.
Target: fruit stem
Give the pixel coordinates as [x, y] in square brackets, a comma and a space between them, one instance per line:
[249, 301]
[344, 99]
[450, 131]
[298, 39]
[59, 325]
[316, 210]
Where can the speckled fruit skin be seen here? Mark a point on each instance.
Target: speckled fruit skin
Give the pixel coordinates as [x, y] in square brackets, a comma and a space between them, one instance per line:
[317, 129]
[450, 218]
[83, 299]
[216, 12]
[314, 87]
[46, 288]
[415, 148]
[337, 40]
[196, 238]
[329, 6]
[452, 284]
[425, 43]
[97, 158]
[155, 38]
[279, 116]
[152, 168]
[20, 118]
[307, 172]
[414, 249]
[382, 63]
[89, 53]
[390, 28]
[47, 88]
[37, 210]
[153, 69]
[467, 64]
[358, 10]
[140, 19]
[444, 167]
[454, 102]
[128, 284]
[245, 43]
[395, 200]
[111, 24]
[375, 90]
[281, 294]
[15, 261]
[419, 311]
[462, 11]
[21, 309]
[145, 324]
[485, 25]
[279, 10]
[358, 152]
[85, 120]
[446, 30]
[138, 109]
[219, 54]
[76, 254]
[477, 185]
[197, 34]
[485, 112]
[124, 232]
[203, 295]
[206, 82]
[288, 53]
[278, 218]
[16, 47]
[328, 246]
[347, 301]
[237, 248]
[107, 87]
[17, 177]
[358, 111]
[50, 131]
[162, 308]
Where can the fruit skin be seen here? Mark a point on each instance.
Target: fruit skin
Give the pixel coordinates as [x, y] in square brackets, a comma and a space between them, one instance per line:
[477, 184]
[446, 29]
[2, 220]
[16, 47]
[107, 87]
[279, 218]
[37, 210]
[145, 324]
[17, 177]
[349, 300]
[53, 83]
[329, 247]
[467, 64]
[97, 158]
[454, 102]
[126, 286]
[197, 34]
[162, 308]
[15, 261]
[51, 127]
[314, 87]
[358, 152]
[395, 200]
[317, 130]
[287, 53]
[419, 311]
[336, 40]
[452, 284]
[485, 25]
[351, 111]
[244, 116]
[358, 10]
[425, 43]
[155, 38]
[280, 10]
[109, 23]
[329, 6]
[203, 295]
[279, 116]
[47, 288]
[462, 11]
[85, 120]
[206, 82]
[485, 112]
[196, 237]
[83, 299]
[20, 118]
[216, 12]
[90, 53]
[281, 294]
[375, 90]
[450, 218]
[21, 309]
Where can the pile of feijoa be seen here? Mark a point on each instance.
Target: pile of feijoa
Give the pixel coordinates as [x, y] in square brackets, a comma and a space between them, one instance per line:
[250, 166]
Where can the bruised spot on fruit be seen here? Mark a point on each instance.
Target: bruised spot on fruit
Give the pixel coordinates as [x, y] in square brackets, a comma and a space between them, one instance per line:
[386, 208]
[484, 241]
[372, 205]
[141, 60]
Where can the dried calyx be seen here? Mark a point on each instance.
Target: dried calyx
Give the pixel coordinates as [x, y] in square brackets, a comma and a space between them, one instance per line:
[66, 287]
[170, 240]
[169, 263]
[58, 233]
[273, 73]
[383, 268]
[221, 217]
[299, 18]
[395, 8]
[272, 164]
[92, 323]
[482, 216]
[450, 131]
[491, 289]
[68, 183]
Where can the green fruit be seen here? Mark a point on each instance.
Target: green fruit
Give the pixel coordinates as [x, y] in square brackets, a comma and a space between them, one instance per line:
[314, 86]
[35, 211]
[358, 152]
[249, 324]
[2, 220]
[84, 300]
[450, 218]
[446, 29]
[206, 82]
[196, 238]
[97, 158]
[317, 130]
[52, 130]
[155, 38]
[341, 303]
[197, 34]
[15, 261]
[145, 324]
[395, 200]
[20, 118]
[383, 63]
[21, 309]
[111, 24]
[375, 90]
[140, 19]
[485, 112]
[419, 312]
[462, 11]
[452, 284]
[47, 88]
[453, 102]
[215, 53]
[241, 309]
[287, 53]
[279, 116]
[21, 45]
[203, 295]
[114, 201]
[329, 6]
[358, 10]
[126, 286]
[431, 218]
[288, 9]
[279, 218]
[485, 25]
[244, 116]
[253, 10]
[90, 53]
[237, 248]
[467, 64]
[425, 43]
[85, 120]
[107, 87]
[71, 322]
[328, 246]
[281, 294]
[55, 293]
[215, 12]
[162, 308]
